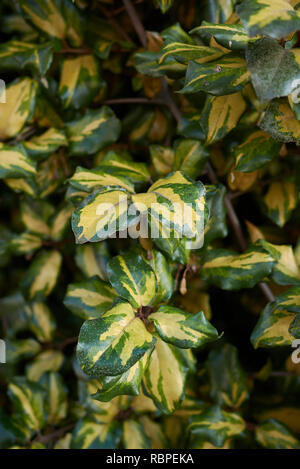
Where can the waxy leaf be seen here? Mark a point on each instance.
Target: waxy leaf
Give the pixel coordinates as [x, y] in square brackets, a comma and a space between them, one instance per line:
[164, 379]
[18, 55]
[182, 329]
[231, 36]
[274, 435]
[221, 115]
[255, 152]
[15, 162]
[280, 201]
[89, 434]
[225, 76]
[110, 345]
[133, 279]
[19, 107]
[46, 144]
[79, 82]
[89, 299]
[92, 132]
[231, 271]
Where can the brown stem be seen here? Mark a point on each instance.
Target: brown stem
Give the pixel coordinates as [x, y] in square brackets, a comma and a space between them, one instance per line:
[135, 101]
[115, 24]
[238, 229]
[139, 28]
[44, 439]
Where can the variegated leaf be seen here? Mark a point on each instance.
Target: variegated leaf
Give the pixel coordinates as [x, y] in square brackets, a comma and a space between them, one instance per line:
[89, 434]
[134, 436]
[79, 81]
[182, 329]
[89, 179]
[285, 270]
[215, 425]
[15, 162]
[280, 201]
[41, 321]
[128, 383]
[224, 76]
[133, 279]
[162, 159]
[120, 165]
[42, 275]
[220, 115]
[227, 378]
[56, 404]
[27, 399]
[231, 36]
[272, 329]
[164, 379]
[91, 259]
[50, 360]
[46, 144]
[102, 215]
[274, 435]
[289, 300]
[183, 53]
[231, 271]
[89, 299]
[25, 243]
[165, 282]
[164, 5]
[96, 129]
[190, 157]
[280, 122]
[19, 107]
[20, 55]
[110, 345]
[266, 17]
[55, 18]
[255, 152]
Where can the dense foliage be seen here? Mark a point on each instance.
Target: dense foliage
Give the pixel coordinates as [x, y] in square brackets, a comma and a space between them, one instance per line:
[134, 342]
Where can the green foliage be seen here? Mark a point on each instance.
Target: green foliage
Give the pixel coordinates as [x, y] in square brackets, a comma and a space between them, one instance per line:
[180, 336]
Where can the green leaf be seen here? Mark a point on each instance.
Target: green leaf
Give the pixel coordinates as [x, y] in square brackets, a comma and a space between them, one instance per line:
[122, 165]
[128, 383]
[268, 18]
[182, 329]
[110, 345]
[18, 55]
[56, 18]
[102, 215]
[28, 402]
[274, 435]
[286, 270]
[25, 243]
[89, 434]
[164, 379]
[41, 321]
[280, 201]
[96, 129]
[56, 405]
[183, 53]
[231, 36]
[21, 349]
[92, 259]
[216, 226]
[90, 179]
[289, 300]
[255, 152]
[231, 271]
[133, 279]
[80, 81]
[274, 70]
[215, 425]
[42, 275]
[50, 360]
[46, 144]
[190, 157]
[224, 76]
[272, 328]
[19, 107]
[134, 436]
[220, 115]
[176, 204]
[162, 158]
[227, 378]
[89, 299]
[164, 279]
[280, 122]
